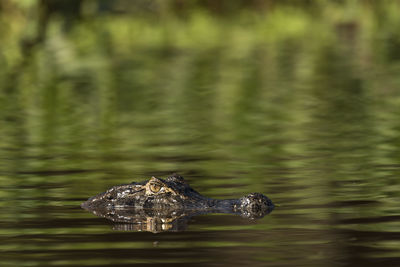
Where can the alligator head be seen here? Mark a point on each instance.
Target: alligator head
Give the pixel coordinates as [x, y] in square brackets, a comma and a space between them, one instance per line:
[169, 200]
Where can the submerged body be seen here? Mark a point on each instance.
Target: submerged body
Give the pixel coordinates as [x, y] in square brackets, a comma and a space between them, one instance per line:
[169, 199]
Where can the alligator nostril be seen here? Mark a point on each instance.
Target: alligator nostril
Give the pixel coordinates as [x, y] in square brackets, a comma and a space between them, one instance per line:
[255, 207]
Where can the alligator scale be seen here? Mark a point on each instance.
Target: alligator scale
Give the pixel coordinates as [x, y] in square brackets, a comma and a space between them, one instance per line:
[167, 204]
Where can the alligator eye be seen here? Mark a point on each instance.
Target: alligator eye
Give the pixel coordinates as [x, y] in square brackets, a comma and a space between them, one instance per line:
[155, 188]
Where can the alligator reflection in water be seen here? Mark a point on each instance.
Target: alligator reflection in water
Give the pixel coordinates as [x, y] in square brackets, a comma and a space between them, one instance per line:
[167, 205]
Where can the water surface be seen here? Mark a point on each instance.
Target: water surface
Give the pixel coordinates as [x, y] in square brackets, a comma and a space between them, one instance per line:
[310, 120]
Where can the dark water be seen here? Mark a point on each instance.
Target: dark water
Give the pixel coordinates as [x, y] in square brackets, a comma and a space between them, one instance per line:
[315, 126]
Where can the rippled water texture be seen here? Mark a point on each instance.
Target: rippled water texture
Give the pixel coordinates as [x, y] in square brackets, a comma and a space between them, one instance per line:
[300, 104]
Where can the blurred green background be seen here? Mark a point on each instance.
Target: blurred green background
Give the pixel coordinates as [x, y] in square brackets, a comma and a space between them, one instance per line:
[296, 99]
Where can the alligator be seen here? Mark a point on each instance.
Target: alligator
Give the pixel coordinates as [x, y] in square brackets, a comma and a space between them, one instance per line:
[167, 204]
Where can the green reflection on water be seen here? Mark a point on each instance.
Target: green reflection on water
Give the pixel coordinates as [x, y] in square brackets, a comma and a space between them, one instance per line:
[299, 103]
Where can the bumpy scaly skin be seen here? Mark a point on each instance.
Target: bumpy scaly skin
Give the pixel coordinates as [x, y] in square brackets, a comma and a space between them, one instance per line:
[168, 200]
[255, 205]
[173, 192]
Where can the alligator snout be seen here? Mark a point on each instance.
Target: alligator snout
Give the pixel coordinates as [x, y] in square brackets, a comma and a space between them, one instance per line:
[255, 205]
